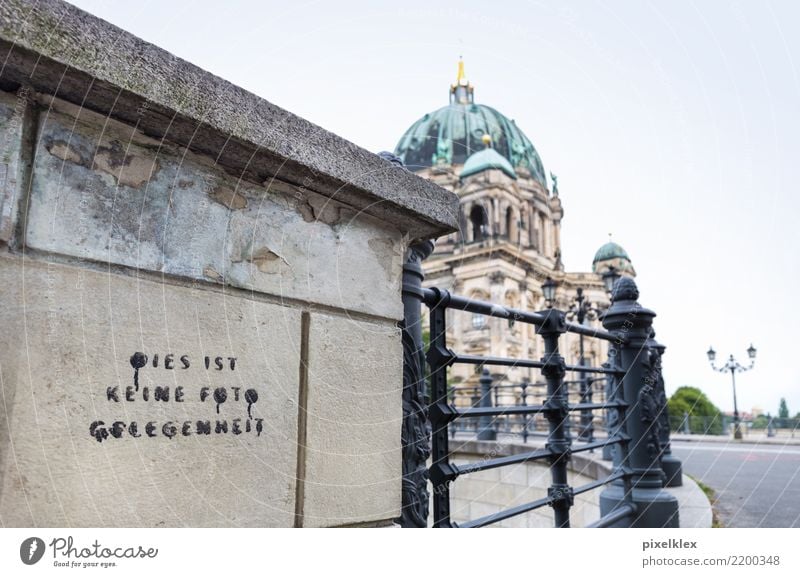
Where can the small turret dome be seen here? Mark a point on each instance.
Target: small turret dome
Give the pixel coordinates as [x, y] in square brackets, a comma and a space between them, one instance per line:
[612, 255]
[485, 160]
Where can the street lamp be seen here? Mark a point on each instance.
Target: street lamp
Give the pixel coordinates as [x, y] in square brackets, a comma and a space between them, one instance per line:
[610, 277]
[549, 290]
[734, 367]
[580, 310]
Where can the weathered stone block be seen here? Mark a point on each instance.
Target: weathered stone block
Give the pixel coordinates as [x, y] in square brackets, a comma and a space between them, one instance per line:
[12, 117]
[70, 454]
[353, 420]
[104, 192]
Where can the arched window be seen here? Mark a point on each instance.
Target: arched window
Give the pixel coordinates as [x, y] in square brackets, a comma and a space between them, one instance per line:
[479, 222]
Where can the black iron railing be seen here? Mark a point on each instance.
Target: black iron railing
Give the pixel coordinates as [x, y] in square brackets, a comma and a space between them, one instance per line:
[634, 407]
[492, 391]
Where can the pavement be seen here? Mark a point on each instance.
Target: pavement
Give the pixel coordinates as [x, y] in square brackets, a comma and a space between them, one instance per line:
[694, 509]
[750, 438]
[757, 484]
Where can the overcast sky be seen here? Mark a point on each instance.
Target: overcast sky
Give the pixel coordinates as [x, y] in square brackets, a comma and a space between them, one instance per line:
[673, 124]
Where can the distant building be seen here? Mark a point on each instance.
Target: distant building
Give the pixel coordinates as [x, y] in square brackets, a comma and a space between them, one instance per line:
[509, 240]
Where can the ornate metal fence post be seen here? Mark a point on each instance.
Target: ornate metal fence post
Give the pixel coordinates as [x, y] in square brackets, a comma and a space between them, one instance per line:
[673, 470]
[416, 427]
[487, 430]
[608, 450]
[439, 357]
[586, 431]
[525, 421]
[557, 413]
[587, 415]
[654, 507]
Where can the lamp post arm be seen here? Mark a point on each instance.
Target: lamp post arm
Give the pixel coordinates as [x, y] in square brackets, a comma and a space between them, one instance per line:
[723, 369]
[741, 369]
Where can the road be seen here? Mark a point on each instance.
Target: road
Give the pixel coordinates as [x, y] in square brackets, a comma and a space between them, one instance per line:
[756, 486]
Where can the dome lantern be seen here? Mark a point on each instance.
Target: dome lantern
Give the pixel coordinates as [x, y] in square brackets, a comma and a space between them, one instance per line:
[462, 91]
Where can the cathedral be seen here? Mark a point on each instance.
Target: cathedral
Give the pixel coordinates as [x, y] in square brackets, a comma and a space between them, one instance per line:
[508, 248]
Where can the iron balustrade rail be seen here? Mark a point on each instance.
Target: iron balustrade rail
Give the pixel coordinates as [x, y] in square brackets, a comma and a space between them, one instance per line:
[527, 363]
[456, 302]
[633, 401]
[520, 419]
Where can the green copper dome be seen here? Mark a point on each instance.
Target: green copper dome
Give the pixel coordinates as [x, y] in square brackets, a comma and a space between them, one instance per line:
[610, 250]
[612, 254]
[484, 160]
[455, 132]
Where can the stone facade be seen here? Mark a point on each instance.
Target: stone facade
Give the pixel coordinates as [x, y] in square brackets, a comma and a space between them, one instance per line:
[201, 294]
[506, 260]
[509, 237]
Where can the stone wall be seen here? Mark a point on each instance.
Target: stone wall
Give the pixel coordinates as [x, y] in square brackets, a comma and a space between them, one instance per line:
[200, 319]
[483, 493]
[478, 494]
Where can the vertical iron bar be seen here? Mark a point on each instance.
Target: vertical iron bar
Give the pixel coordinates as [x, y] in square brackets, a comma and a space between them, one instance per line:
[451, 395]
[439, 358]
[415, 434]
[487, 427]
[582, 386]
[525, 417]
[617, 424]
[557, 413]
[672, 467]
[608, 393]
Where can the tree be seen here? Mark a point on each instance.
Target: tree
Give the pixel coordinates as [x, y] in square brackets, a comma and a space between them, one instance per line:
[704, 416]
[783, 410]
[760, 422]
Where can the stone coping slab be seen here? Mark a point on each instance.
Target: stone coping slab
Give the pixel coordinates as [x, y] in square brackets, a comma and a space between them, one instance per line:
[59, 49]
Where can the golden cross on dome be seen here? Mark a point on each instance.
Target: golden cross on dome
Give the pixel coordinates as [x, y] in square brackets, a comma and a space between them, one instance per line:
[461, 78]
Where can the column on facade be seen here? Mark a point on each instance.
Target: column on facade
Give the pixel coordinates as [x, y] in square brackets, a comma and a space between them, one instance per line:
[557, 235]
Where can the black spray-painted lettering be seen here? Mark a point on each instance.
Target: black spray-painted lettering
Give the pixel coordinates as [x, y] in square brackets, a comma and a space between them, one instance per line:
[162, 393]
